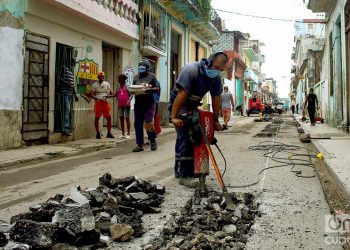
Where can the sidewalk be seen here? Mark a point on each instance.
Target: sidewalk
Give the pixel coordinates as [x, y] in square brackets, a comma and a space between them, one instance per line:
[335, 146]
[69, 148]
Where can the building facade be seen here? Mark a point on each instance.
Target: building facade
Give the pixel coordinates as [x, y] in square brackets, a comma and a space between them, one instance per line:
[334, 86]
[174, 33]
[87, 36]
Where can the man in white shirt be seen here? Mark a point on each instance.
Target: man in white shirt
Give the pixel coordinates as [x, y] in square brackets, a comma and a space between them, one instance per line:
[101, 90]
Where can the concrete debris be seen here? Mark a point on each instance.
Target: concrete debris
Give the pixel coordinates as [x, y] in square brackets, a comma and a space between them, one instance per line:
[105, 239]
[205, 223]
[75, 196]
[4, 227]
[38, 235]
[229, 228]
[85, 219]
[16, 246]
[63, 246]
[3, 239]
[75, 218]
[266, 118]
[271, 129]
[305, 138]
[121, 232]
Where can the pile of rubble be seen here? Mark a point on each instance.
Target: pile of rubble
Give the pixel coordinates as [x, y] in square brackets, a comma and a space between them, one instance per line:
[89, 219]
[206, 223]
[271, 129]
[266, 118]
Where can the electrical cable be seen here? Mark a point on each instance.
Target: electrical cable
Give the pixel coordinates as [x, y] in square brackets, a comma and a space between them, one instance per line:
[223, 157]
[272, 150]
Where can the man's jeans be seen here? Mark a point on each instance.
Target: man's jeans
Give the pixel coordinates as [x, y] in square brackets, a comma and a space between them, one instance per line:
[67, 102]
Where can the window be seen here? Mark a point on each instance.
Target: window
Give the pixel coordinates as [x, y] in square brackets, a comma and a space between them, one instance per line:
[310, 26]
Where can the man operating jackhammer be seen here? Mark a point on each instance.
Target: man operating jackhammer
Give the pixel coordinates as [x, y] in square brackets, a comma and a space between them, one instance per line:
[194, 81]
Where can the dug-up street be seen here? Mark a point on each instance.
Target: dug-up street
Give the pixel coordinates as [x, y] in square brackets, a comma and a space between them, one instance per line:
[292, 202]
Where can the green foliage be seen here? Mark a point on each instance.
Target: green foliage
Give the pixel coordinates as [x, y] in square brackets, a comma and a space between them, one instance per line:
[206, 8]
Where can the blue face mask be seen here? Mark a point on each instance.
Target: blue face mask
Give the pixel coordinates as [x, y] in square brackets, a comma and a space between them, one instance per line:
[142, 69]
[212, 73]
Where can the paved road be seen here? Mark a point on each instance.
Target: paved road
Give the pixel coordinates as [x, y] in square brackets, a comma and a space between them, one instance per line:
[293, 208]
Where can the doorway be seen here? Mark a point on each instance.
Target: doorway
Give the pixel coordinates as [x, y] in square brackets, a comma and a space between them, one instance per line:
[111, 67]
[36, 89]
[174, 58]
[64, 59]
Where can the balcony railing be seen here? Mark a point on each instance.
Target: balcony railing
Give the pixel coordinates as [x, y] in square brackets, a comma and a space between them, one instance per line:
[153, 28]
[120, 15]
[125, 8]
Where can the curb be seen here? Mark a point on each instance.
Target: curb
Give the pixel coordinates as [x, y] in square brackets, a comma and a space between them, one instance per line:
[77, 151]
[326, 157]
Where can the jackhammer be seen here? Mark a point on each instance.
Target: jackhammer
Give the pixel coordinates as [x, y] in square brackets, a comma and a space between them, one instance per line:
[201, 130]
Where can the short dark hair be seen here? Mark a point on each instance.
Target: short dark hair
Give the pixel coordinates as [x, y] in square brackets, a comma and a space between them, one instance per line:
[122, 78]
[213, 56]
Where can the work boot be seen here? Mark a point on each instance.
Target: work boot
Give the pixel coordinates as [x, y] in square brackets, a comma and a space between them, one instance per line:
[98, 135]
[188, 182]
[109, 135]
[154, 146]
[137, 149]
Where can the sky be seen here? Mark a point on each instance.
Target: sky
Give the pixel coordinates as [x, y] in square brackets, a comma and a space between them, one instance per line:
[278, 36]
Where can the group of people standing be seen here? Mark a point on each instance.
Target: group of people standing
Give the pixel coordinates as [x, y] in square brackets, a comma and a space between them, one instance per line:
[145, 108]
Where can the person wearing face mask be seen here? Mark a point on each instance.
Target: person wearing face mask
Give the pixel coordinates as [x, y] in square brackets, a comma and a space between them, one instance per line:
[144, 108]
[194, 81]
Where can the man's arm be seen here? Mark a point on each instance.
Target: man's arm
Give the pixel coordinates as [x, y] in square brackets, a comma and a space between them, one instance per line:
[76, 97]
[216, 101]
[110, 92]
[316, 102]
[177, 105]
[93, 92]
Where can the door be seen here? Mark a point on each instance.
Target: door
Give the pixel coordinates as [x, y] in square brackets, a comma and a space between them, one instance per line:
[36, 88]
[324, 99]
[110, 65]
[63, 60]
[174, 65]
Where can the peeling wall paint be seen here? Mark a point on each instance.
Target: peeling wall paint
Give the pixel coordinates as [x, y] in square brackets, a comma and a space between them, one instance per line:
[11, 72]
[15, 7]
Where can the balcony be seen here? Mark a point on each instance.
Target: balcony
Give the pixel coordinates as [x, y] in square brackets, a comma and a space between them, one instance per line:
[189, 12]
[320, 5]
[120, 15]
[249, 52]
[153, 31]
[250, 76]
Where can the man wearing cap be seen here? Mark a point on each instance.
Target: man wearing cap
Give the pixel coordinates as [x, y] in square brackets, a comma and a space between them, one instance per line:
[194, 81]
[101, 90]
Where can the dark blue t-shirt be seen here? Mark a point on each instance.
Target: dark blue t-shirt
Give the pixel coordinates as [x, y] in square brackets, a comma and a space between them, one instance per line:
[196, 83]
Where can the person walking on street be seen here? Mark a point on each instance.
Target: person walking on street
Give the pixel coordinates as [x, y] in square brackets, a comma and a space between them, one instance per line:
[66, 88]
[227, 106]
[144, 108]
[293, 108]
[194, 81]
[312, 105]
[124, 99]
[101, 90]
[297, 108]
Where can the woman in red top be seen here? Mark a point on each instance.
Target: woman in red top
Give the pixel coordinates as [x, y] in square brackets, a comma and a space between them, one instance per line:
[124, 99]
